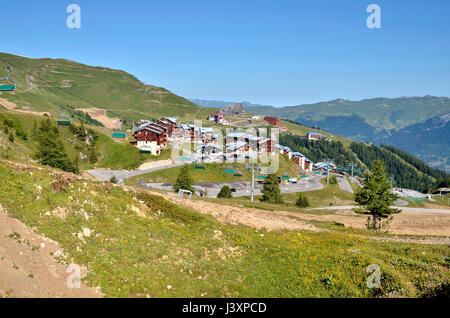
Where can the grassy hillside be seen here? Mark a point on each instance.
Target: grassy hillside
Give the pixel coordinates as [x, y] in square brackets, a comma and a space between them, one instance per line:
[413, 124]
[380, 113]
[110, 153]
[144, 246]
[213, 172]
[51, 84]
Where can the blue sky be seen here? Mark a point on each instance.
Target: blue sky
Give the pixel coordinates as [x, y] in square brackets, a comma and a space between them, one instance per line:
[268, 52]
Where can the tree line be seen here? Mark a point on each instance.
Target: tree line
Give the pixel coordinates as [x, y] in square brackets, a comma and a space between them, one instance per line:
[403, 174]
[317, 150]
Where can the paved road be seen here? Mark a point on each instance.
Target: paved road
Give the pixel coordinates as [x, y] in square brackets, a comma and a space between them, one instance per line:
[344, 184]
[244, 188]
[105, 174]
[405, 209]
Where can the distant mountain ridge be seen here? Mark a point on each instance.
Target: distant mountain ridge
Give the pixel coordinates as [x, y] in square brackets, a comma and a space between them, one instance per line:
[221, 104]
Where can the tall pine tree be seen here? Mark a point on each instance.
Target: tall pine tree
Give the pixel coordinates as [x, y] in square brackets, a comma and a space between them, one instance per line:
[271, 190]
[184, 180]
[376, 197]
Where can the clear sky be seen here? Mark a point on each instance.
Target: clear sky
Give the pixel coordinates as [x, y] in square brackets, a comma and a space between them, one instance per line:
[269, 52]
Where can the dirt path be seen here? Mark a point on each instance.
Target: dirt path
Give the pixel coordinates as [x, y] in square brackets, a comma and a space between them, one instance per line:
[246, 216]
[405, 223]
[101, 116]
[13, 107]
[26, 267]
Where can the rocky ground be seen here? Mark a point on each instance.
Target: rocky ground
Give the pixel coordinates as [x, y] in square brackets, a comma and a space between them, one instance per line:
[29, 265]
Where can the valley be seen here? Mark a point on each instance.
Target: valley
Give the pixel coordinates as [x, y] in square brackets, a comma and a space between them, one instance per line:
[81, 185]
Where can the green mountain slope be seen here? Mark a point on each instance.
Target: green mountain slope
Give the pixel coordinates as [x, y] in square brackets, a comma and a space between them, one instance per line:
[141, 245]
[50, 84]
[414, 124]
[379, 113]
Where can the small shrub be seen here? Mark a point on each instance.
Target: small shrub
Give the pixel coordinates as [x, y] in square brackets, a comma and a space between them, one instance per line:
[113, 179]
[61, 183]
[225, 192]
[159, 204]
[332, 180]
[302, 201]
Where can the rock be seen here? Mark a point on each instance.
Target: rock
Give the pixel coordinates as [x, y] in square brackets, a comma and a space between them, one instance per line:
[86, 232]
[233, 110]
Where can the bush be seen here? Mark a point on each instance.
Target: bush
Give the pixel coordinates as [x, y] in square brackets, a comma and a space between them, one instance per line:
[51, 151]
[302, 201]
[9, 123]
[11, 137]
[333, 180]
[159, 204]
[113, 179]
[225, 192]
[184, 180]
[271, 190]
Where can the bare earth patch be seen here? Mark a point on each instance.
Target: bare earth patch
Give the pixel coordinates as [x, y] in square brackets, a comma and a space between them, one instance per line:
[155, 164]
[405, 223]
[247, 216]
[27, 268]
[101, 116]
[12, 106]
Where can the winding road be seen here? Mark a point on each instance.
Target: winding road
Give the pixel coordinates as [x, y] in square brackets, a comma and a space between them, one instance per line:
[106, 174]
[243, 188]
[405, 209]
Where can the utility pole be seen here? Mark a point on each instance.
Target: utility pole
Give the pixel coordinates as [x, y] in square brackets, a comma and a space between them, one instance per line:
[328, 173]
[352, 165]
[328, 161]
[253, 168]
[253, 184]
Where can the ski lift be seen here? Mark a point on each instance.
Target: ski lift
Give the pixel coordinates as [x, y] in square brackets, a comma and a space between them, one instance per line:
[7, 83]
[229, 169]
[64, 120]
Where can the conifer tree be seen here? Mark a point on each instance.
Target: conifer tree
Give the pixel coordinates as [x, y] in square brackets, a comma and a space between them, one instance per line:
[376, 197]
[184, 180]
[225, 192]
[271, 190]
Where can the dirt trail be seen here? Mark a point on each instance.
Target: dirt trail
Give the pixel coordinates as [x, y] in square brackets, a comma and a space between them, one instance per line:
[13, 107]
[26, 267]
[405, 223]
[246, 216]
[101, 116]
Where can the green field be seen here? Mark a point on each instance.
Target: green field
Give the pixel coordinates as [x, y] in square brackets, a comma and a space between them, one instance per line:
[328, 196]
[142, 255]
[213, 172]
[60, 83]
[111, 153]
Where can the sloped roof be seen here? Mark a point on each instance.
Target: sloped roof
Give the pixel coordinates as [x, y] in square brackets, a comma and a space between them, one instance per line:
[149, 129]
[236, 145]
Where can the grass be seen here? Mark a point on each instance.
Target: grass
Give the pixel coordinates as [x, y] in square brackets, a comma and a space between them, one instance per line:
[120, 93]
[328, 196]
[213, 172]
[112, 153]
[303, 131]
[131, 255]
